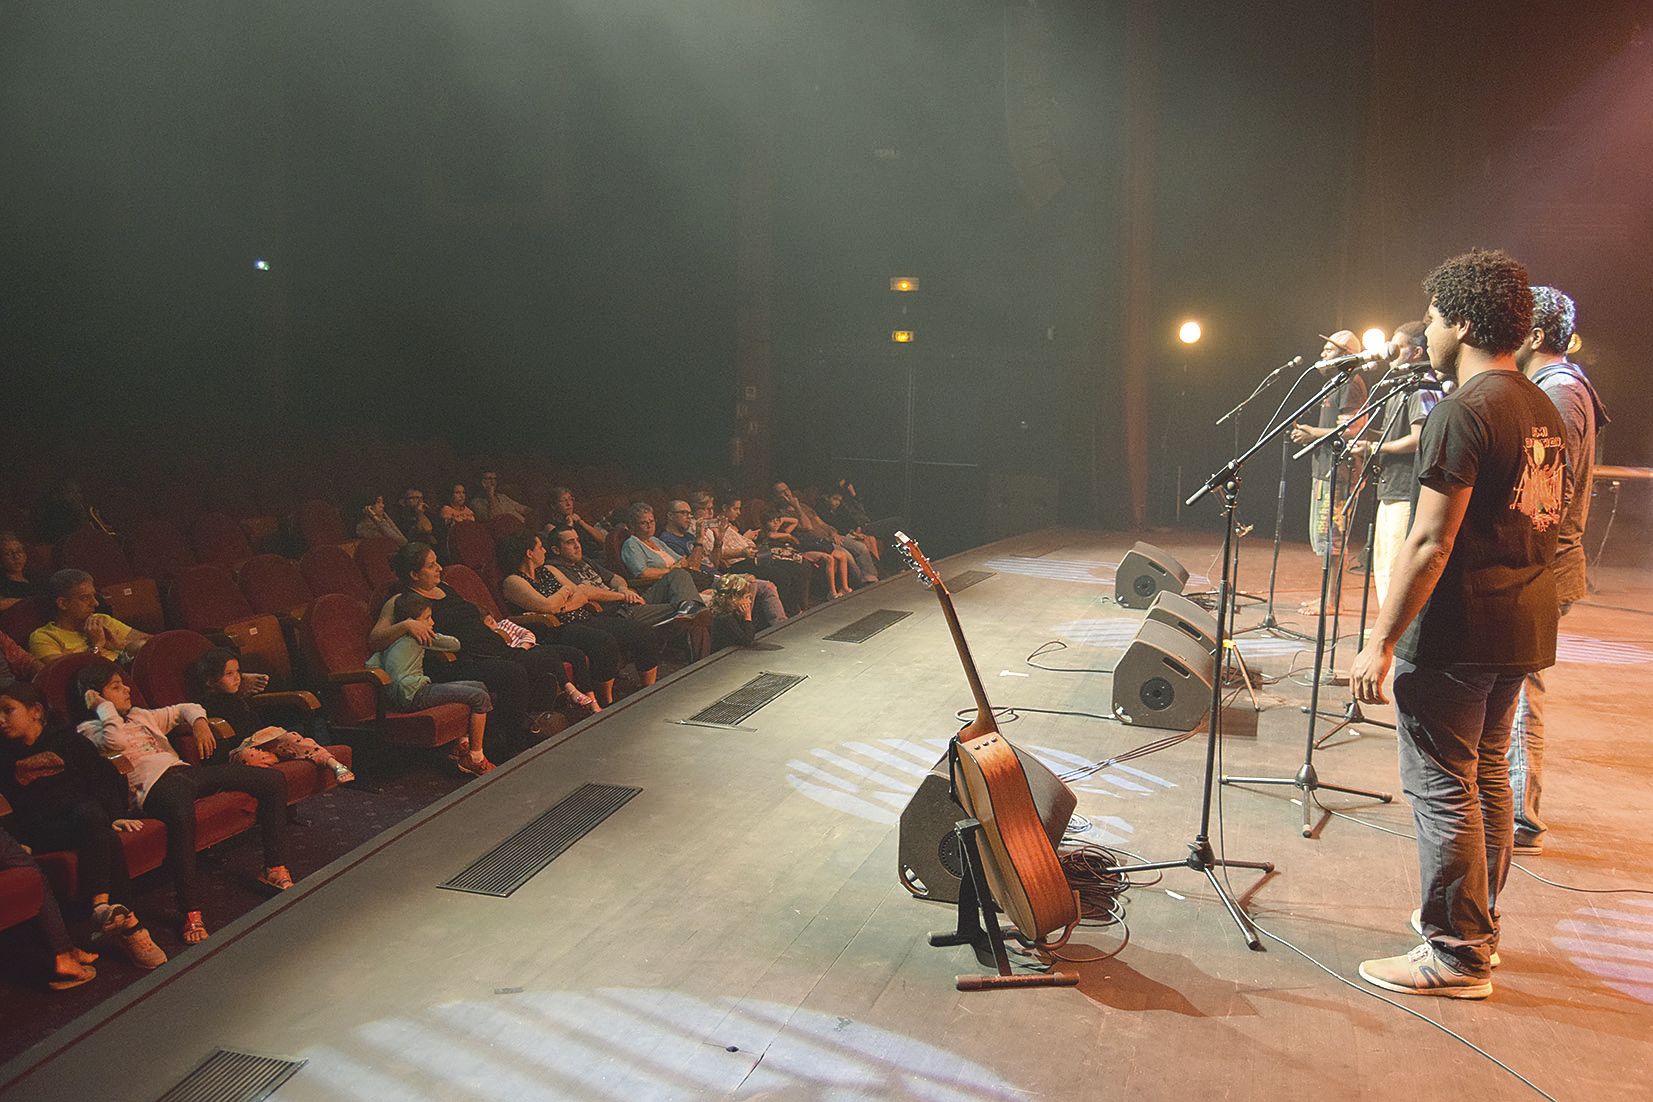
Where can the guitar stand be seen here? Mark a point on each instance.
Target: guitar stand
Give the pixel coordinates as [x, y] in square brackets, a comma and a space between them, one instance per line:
[978, 925]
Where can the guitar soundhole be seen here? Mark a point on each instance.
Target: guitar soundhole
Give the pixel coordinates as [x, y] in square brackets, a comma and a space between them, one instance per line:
[1157, 693]
[948, 852]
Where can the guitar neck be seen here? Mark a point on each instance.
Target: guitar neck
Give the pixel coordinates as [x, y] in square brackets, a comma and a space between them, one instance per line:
[984, 710]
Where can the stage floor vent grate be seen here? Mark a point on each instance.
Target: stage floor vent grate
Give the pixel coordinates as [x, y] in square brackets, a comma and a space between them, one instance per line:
[868, 626]
[228, 1076]
[521, 857]
[741, 704]
[968, 579]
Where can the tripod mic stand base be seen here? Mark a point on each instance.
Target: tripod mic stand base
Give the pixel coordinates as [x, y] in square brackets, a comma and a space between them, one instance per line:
[1352, 717]
[1202, 859]
[1308, 782]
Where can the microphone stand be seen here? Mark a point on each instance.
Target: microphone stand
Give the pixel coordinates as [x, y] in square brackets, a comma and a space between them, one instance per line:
[1201, 857]
[1373, 471]
[1233, 415]
[1270, 623]
[1307, 779]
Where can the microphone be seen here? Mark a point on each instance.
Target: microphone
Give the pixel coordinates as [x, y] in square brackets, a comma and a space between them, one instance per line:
[1336, 363]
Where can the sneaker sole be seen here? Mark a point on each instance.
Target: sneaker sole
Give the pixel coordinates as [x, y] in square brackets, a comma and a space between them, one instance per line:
[1455, 991]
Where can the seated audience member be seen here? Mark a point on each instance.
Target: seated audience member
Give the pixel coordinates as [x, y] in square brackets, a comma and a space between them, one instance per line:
[732, 624]
[373, 521]
[457, 508]
[80, 627]
[162, 785]
[65, 795]
[737, 551]
[491, 501]
[18, 664]
[607, 639]
[862, 567]
[15, 584]
[525, 678]
[411, 689]
[844, 513]
[223, 690]
[412, 516]
[71, 965]
[782, 530]
[593, 536]
[654, 565]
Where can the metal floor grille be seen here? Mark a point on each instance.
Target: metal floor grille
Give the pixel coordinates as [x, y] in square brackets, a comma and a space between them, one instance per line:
[227, 1076]
[868, 626]
[518, 859]
[967, 579]
[744, 701]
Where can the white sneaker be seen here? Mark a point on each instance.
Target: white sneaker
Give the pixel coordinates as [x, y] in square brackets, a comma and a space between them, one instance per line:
[1417, 928]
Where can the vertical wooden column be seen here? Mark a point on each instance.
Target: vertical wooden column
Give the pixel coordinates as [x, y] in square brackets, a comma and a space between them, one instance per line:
[1137, 276]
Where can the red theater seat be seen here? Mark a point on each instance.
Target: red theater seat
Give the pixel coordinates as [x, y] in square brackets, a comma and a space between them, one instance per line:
[218, 537]
[373, 556]
[275, 585]
[319, 524]
[206, 599]
[157, 550]
[329, 569]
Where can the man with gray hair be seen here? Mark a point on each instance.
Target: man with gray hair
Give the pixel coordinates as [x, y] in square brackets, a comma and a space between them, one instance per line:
[1543, 357]
[79, 626]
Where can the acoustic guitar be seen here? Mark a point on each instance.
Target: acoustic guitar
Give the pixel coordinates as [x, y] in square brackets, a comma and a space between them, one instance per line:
[1021, 865]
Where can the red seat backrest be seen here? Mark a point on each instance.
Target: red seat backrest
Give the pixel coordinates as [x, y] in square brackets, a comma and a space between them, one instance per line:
[206, 598]
[335, 638]
[20, 620]
[503, 525]
[471, 543]
[617, 536]
[319, 524]
[157, 550]
[57, 680]
[161, 669]
[373, 556]
[218, 537]
[330, 569]
[469, 585]
[275, 585]
[95, 551]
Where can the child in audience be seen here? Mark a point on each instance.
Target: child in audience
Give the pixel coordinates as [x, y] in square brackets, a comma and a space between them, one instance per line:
[162, 785]
[410, 689]
[223, 691]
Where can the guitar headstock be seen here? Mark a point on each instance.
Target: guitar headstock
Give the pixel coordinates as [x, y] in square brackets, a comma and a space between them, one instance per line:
[915, 558]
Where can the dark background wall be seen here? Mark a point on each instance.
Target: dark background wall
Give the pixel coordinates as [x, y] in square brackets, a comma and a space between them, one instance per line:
[514, 224]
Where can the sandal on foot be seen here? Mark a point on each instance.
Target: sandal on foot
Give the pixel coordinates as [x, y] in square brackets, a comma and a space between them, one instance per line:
[476, 767]
[585, 701]
[277, 877]
[142, 950]
[62, 981]
[342, 774]
[194, 931]
[113, 918]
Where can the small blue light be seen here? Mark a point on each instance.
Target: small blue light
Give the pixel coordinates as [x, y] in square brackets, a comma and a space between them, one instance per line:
[262, 265]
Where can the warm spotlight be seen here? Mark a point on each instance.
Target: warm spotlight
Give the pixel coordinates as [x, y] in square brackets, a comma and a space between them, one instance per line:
[902, 336]
[903, 283]
[1374, 339]
[1190, 332]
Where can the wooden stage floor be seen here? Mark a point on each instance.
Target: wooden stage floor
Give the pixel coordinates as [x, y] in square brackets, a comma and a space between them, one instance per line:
[737, 929]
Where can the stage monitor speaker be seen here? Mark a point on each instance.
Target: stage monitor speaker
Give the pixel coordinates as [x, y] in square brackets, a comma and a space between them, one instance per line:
[1145, 572]
[1163, 679]
[930, 866]
[1187, 617]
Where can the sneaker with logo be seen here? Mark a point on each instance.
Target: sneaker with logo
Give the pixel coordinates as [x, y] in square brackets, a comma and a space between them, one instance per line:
[1423, 971]
[1417, 928]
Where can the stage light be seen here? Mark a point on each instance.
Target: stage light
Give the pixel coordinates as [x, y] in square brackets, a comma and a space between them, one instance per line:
[261, 264]
[1374, 339]
[1190, 332]
[902, 336]
[903, 283]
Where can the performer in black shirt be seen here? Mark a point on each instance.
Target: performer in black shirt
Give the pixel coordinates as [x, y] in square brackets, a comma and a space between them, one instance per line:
[1471, 611]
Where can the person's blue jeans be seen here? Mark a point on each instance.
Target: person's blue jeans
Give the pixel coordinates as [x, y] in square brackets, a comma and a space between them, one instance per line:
[1453, 729]
[1526, 755]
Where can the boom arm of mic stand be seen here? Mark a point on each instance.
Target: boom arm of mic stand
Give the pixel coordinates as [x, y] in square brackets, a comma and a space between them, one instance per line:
[1401, 385]
[1232, 467]
[1262, 386]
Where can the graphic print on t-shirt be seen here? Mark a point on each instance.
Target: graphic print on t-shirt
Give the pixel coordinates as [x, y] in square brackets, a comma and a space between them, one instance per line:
[1538, 493]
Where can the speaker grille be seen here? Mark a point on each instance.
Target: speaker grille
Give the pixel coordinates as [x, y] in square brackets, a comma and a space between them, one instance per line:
[522, 856]
[228, 1076]
[740, 705]
[868, 626]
